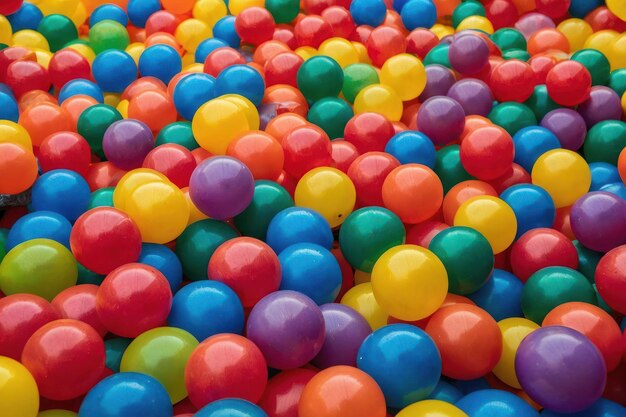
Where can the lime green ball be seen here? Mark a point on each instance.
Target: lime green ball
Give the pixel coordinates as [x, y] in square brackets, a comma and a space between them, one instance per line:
[268, 200]
[355, 78]
[319, 77]
[108, 34]
[179, 133]
[331, 114]
[93, 122]
[448, 167]
[512, 116]
[58, 30]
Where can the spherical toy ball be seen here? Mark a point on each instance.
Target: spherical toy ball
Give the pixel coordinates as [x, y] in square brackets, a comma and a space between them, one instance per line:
[605, 141]
[320, 77]
[174, 161]
[305, 148]
[232, 406]
[568, 385]
[356, 78]
[488, 152]
[79, 303]
[603, 104]
[331, 114]
[599, 221]
[255, 25]
[404, 73]
[531, 143]
[20, 395]
[563, 174]
[462, 192]
[18, 168]
[65, 150]
[513, 330]
[532, 205]
[283, 391]
[298, 225]
[419, 13]
[501, 296]
[218, 122]
[288, 327]
[83, 87]
[486, 402]
[468, 54]
[108, 12]
[39, 224]
[165, 260]
[108, 34]
[368, 12]
[379, 98]
[611, 280]
[221, 355]
[131, 181]
[411, 147]
[61, 191]
[429, 407]
[127, 142]
[568, 126]
[191, 92]
[473, 95]
[512, 80]
[569, 83]
[441, 119]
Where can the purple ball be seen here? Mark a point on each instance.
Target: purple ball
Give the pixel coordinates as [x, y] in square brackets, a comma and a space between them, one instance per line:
[560, 369]
[468, 54]
[598, 221]
[221, 187]
[439, 79]
[127, 142]
[568, 126]
[442, 119]
[533, 22]
[288, 327]
[345, 331]
[603, 104]
[473, 95]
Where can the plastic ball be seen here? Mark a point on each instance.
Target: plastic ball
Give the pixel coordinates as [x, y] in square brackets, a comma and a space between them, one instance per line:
[108, 12]
[65, 150]
[563, 174]
[605, 141]
[419, 13]
[405, 74]
[283, 11]
[40, 224]
[165, 260]
[79, 303]
[610, 278]
[231, 405]
[20, 395]
[512, 116]
[411, 147]
[441, 119]
[532, 205]
[19, 168]
[487, 152]
[108, 34]
[331, 114]
[311, 31]
[81, 87]
[217, 123]
[282, 395]
[462, 192]
[58, 30]
[598, 221]
[174, 161]
[469, 54]
[602, 104]
[357, 77]
[368, 173]
[512, 80]
[569, 83]
[320, 77]
[568, 126]
[179, 133]
[93, 123]
[127, 142]
[501, 296]
[506, 404]
[473, 95]
[379, 98]
[114, 70]
[368, 132]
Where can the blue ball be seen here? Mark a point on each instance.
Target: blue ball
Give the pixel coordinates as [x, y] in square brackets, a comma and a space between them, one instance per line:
[532, 142]
[8, 108]
[192, 92]
[399, 4]
[419, 14]
[206, 308]
[27, 17]
[368, 12]
[62, 191]
[581, 8]
[311, 270]
[206, 47]
[40, 224]
[80, 86]
[243, 80]
[471, 385]
[532, 205]
[445, 392]
[495, 403]
[231, 407]
[127, 394]
[617, 188]
[114, 70]
[501, 296]
[160, 61]
[140, 10]
[108, 12]
[298, 225]
[404, 362]
[602, 408]
[411, 147]
[224, 29]
[603, 173]
[165, 260]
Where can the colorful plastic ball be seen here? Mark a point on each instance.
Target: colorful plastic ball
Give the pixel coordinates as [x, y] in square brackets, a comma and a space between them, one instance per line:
[206, 47]
[18, 168]
[311, 31]
[343, 154]
[439, 80]
[243, 80]
[512, 116]
[610, 278]
[174, 161]
[162, 258]
[411, 147]
[139, 11]
[605, 141]
[418, 13]
[61, 191]
[513, 330]
[160, 61]
[462, 192]
[569, 83]
[428, 408]
[283, 11]
[127, 142]
[568, 126]
[219, 122]
[10, 110]
[368, 173]
[65, 150]
[129, 391]
[192, 92]
[115, 348]
[473, 95]
[405, 74]
[108, 34]
[93, 123]
[596, 63]
[66, 65]
[305, 148]
[298, 225]
[532, 205]
[224, 29]
[23, 76]
[441, 119]
[114, 70]
[20, 395]
[357, 77]
[261, 153]
[469, 54]
[342, 391]
[486, 402]
[81, 87]
[512, 80]
[79, 303]
[108, 12]
[39, 224]
[449, 168]
[531, 143]
[488, 152]
[179, 133]
[255, 25]
[602, 104]
[602, 408]
[379, 98]
[282, 395]
[331, 114]
[501, 296]
[563, 174]
[599, 221]
[320, 77]
[570, 384]
[11, 7]
[368, 132]
[230, 406]
[58, 30]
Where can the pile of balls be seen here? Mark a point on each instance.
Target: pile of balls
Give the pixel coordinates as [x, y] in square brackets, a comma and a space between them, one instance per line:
[316, 208]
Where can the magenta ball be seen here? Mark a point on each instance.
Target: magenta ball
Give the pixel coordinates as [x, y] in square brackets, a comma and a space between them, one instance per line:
[127, 142]
[442, 119]
[568, 126]
[288, 327]
[473, 95]
[439, 79]
[468, 54]
[603, 104]
[221, 187]
[599, 221]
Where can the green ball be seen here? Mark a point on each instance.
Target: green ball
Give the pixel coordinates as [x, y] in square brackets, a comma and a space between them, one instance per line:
[331, 114]
[283, 11]
[508, 38]
[448, 167]
[3, 240]
[438, 55]
[540, 102]
[368, 233]
[467, 9]
[597, 64]
[101, 198]
[617, 81]
[115, 349]
[269, 199]
[552, 286]
[179, 133]
[195, 246]
[512, 116]
[467, 256]
[58, 30]
[520, 54]
[356, 77]
[319, 77]
[93, 122]
[587, 261]
[86, 276]
[108, 34]
[605, 141]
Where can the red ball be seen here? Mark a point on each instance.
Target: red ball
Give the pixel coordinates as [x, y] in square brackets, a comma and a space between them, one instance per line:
[568, 83]
[105, 238]
[602, 18]
[248, 266]
[501, 13]
[512, 80]
[283, 68]
[487, 153]
[368, 173]
[222, 58]
[103, 174]
[24, 76]
[132, 299]
[65, 150]
[383, 43]
[422, 233]
[66, 358]
[340, 20]
[284, 33]
[616, 383]
[361, 34]
[8, 7]
[554, 9]
[540, 248]
[420, 41]
[611, 278]
[255, 25]
[306, 147]
[283, 392]
[12, 54]
[21, 315]
[225, 366]
[369, 132]
[541, 66]
[161, 21]
[312, 30]
[79, 303]
[174, 161]
[66, 65]
[516, 175]
[343, 153]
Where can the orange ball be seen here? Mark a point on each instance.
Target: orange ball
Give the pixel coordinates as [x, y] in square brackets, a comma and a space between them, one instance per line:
[621, 165]
[462, 192]
[267, 50]
[154, 108]
[287, 98]
[284, 123]
[43, 119]
[75, 105]
[18, 168]
[35, 97]
[413, 192]
[143, 84]
[342, 391]
[178, 6]
[261, 153]
[546, 40]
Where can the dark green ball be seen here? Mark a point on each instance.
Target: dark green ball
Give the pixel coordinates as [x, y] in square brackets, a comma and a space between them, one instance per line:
[93, 122]
[438, 55]
[331, 114]
[587, 261]
[540, 102]
[596, 63]
[319, 77]
[269, 199]
[58, 30]
[617, 81]
[512, 116]
[283, 11]
[448, 167]
[179, 133]
[102, 198]
[508, 38]
[605, 141]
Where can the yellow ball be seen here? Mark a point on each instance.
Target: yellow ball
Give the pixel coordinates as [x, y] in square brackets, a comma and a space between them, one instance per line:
[431, 408]
[476, 22]
[409, 282]
[602, 41]
[617, 55]
[112, 99]
[43, 57]
[217, 123]
[328, 191]
[209, 11]
[57, 413]
[406, 74]
[564, 174]
[191, 32]
[79, 16]
[577, 31]
[364, 57]
[442, 30]
[64, 7]
[122, 107]
[14, 133]
[30, 39]
[160, 211]
[617, 7]
[306, 52]
[490, 216]
[252, 113]
[341, 50]
[513, 330]
[379, 98]
[130, 181]
[361, 299]
[6, 32]
[135, 50]
[19, 396]
[237, 6]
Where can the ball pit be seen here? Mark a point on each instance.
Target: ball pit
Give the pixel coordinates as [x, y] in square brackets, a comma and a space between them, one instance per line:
[317, 208]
